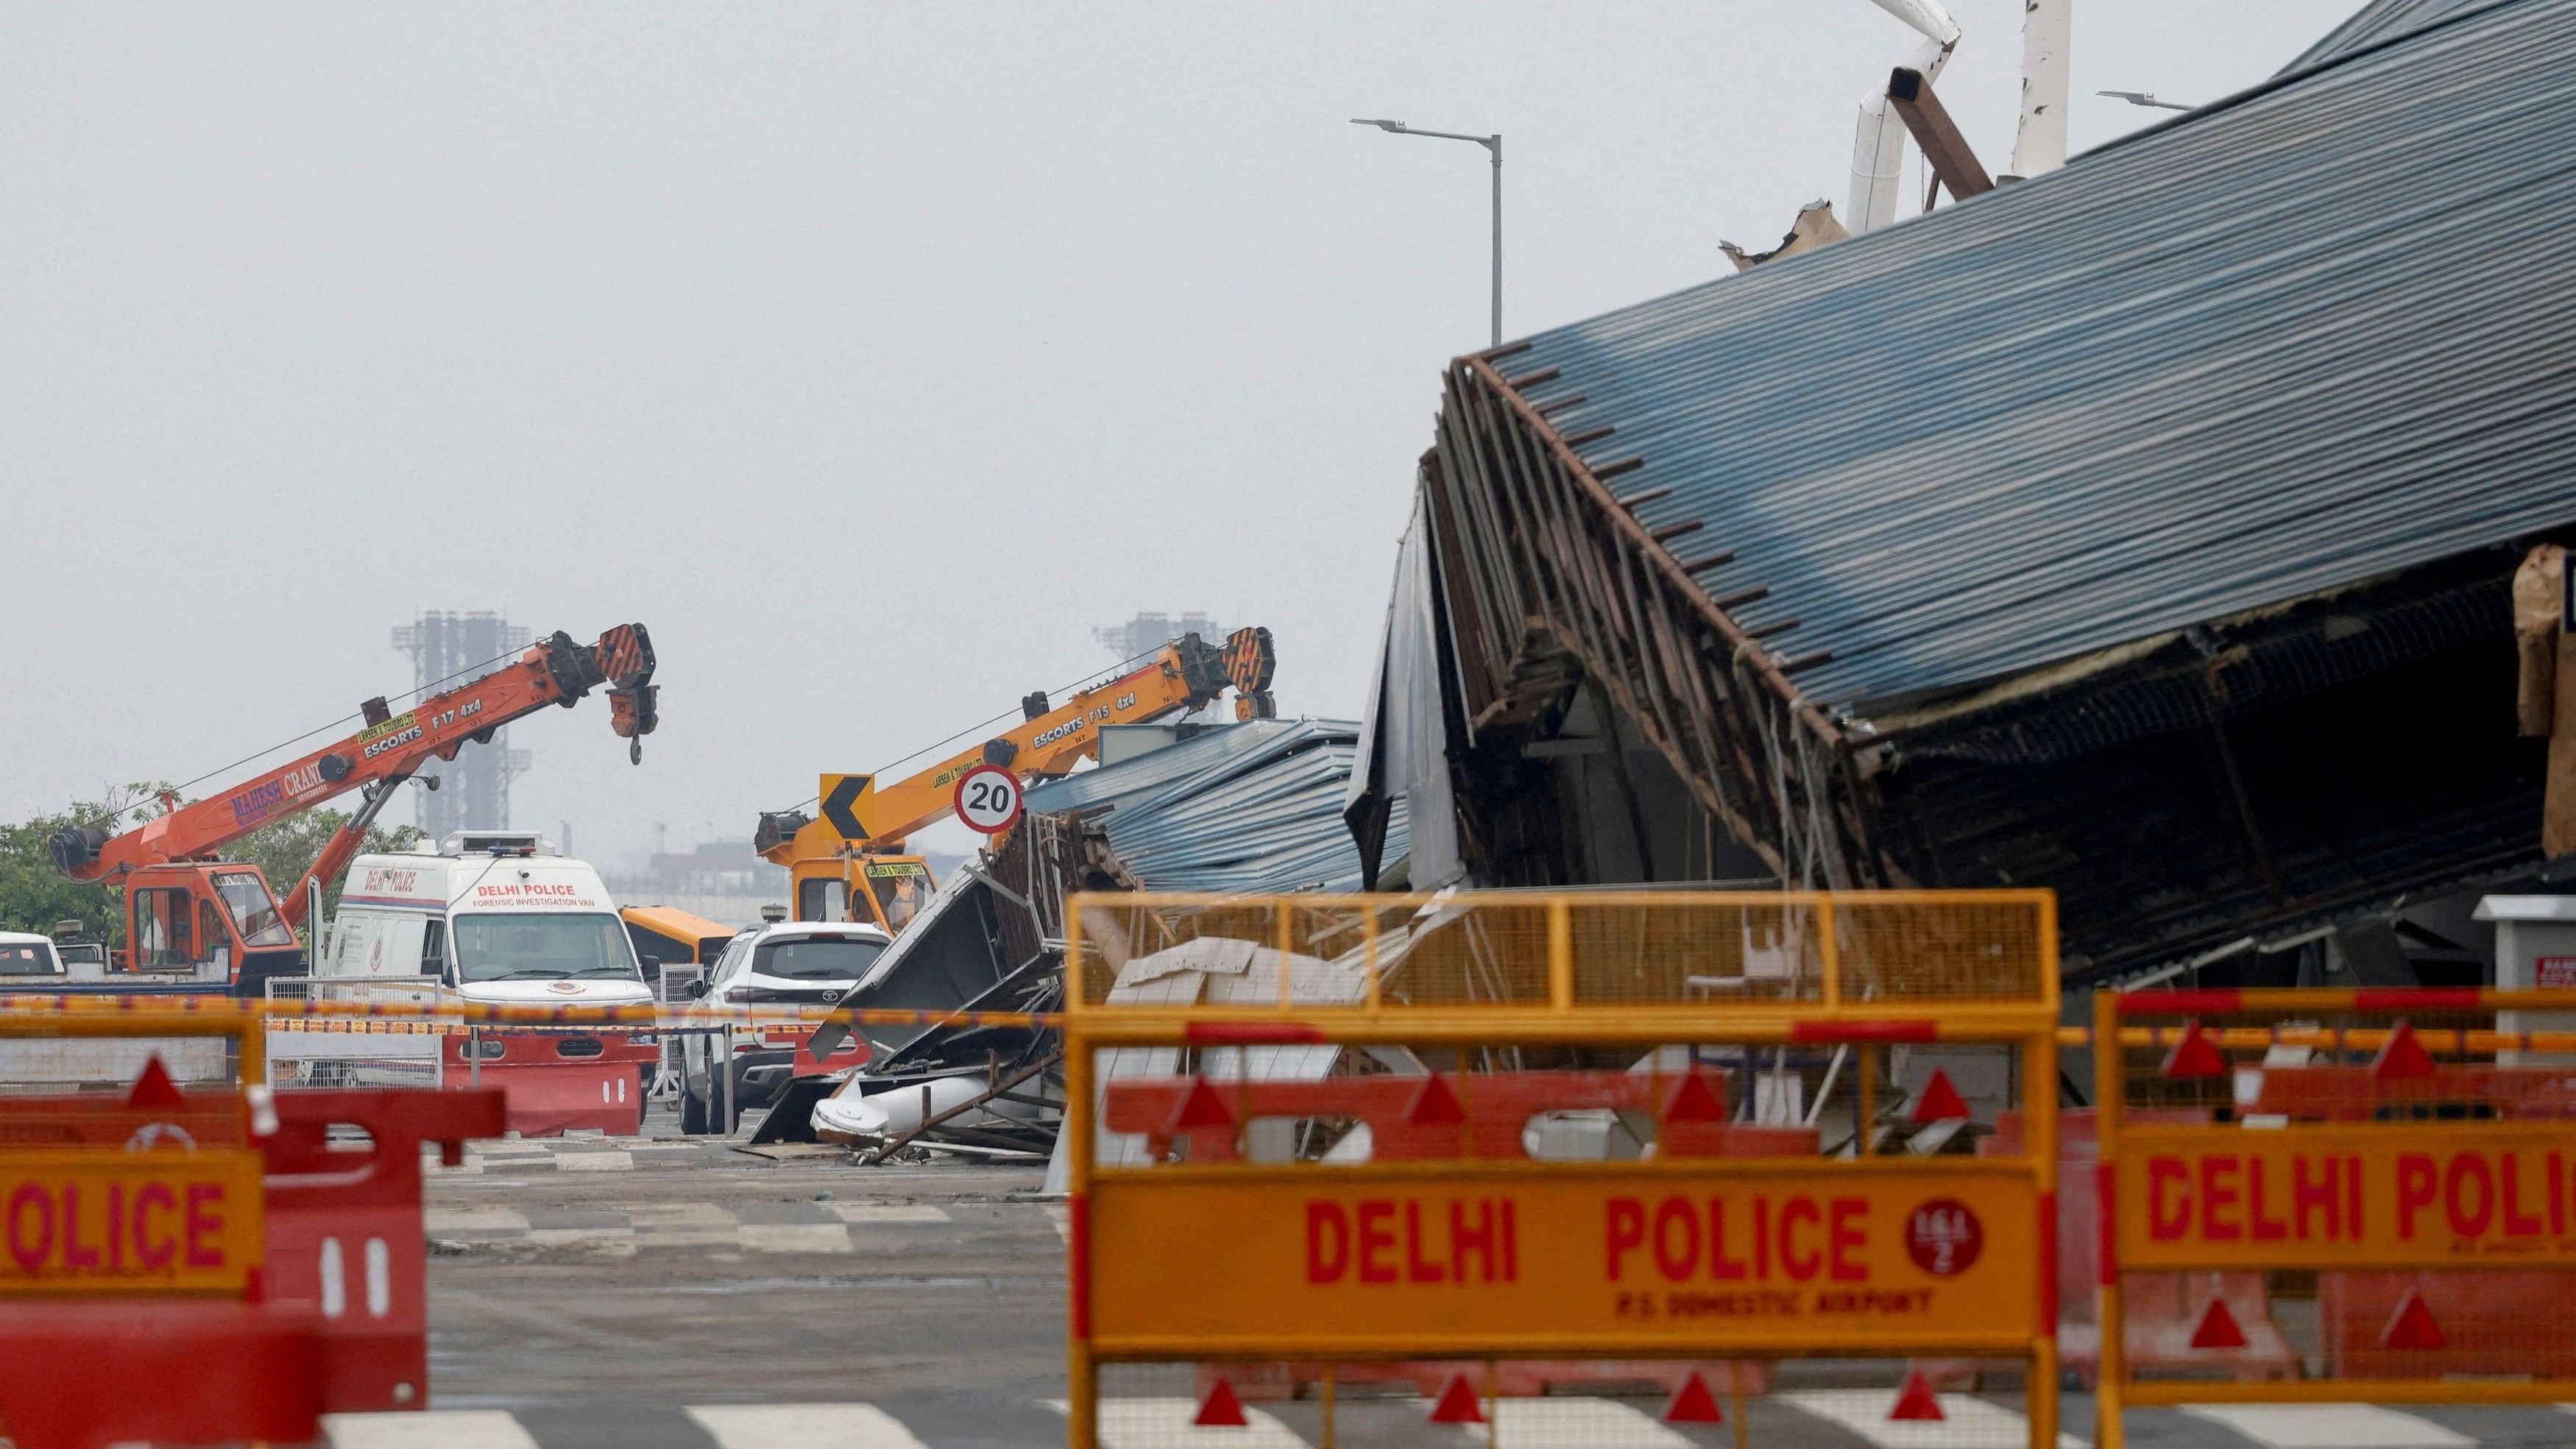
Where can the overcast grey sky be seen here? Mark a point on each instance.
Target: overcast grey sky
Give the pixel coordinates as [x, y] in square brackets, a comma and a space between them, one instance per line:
[868, 354]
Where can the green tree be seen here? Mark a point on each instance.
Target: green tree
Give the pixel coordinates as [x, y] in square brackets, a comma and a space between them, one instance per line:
[34, 896]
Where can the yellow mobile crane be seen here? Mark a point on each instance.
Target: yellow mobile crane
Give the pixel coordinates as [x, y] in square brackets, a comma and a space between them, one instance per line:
[850, 863]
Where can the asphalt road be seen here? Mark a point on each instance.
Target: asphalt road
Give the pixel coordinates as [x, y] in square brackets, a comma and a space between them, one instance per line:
[667, 1293]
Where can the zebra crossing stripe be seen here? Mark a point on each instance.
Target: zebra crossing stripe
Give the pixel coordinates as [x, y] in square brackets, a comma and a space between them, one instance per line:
[804, 1426]
[1967, 1422]
[440, 1429]
[1579, 1423]
[1164, 1423]
[2330, 1426]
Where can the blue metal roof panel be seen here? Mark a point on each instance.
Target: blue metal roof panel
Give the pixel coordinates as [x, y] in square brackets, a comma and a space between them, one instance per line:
[2382, 20]
[2310, 336]
[1248, 807]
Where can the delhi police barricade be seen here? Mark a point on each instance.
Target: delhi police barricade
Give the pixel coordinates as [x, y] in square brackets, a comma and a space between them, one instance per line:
[1584, 1167]
[216, 1265]
[2318, 1195]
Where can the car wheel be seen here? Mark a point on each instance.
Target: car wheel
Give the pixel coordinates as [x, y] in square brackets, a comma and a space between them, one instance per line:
[693, 1113]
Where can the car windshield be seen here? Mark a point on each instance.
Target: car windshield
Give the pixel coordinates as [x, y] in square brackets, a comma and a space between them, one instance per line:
[254, 910]
[26, 958]
[494, 947]
[817, 958]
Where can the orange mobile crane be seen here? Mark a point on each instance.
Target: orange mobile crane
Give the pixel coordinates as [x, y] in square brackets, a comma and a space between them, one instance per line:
[193, 919]
[850, 865]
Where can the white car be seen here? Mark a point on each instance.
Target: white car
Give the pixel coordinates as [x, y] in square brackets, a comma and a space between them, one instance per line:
[27, 959]
[785, 963]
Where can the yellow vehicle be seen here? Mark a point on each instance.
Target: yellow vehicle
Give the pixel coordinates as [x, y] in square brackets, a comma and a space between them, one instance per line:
[850, 865]
[668, 934]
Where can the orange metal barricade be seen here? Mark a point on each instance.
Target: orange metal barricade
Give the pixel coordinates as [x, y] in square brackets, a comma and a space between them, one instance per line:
[205, 1266]
[2393, 1165]
[1310, 1146]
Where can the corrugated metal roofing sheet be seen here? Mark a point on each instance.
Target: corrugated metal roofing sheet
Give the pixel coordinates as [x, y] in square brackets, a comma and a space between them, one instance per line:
[1255, 806]
[2306, 337]
[2381, 20]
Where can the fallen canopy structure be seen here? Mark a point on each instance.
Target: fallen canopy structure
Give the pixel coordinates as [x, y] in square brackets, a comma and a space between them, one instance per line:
[2142, 530]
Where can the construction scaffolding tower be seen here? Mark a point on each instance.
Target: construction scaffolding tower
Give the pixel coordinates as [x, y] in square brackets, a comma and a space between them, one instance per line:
[447, 649]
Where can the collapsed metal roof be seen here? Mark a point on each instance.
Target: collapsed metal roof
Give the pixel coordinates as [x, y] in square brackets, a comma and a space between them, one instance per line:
[2184, 376]
[2379, 21]
[1255, 806]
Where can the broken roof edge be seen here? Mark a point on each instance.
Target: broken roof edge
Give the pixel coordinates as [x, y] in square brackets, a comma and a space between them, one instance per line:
[2332, 48]
[2034, 683]
[1739, 642]
[2314, 61]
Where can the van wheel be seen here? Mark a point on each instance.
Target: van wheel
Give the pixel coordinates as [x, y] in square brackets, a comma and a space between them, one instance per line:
[693, 1113]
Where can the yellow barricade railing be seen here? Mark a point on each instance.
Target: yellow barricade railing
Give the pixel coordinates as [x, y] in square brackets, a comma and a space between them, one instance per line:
[1320, 1145]
[2396, 1168]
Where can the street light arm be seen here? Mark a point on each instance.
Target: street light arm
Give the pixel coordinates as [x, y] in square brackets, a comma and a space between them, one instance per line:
[1490, 143]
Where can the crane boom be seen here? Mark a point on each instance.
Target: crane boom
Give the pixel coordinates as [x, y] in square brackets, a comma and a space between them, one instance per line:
[383, 752]
[874, 819]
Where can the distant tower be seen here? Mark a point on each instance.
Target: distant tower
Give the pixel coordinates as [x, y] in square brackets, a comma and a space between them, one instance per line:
[1148, 632]
[448, 650]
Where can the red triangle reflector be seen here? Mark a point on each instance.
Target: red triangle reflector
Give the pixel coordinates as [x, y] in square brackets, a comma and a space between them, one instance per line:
[1221, 1409]
[1940, 1101]
[1916, 1401]
[2195, 1055]
[2403, 1056]
[1693, 1403]
[1692, 1101]
[1458, 1401]
[2217, 1328]
[153, 1087]
[2412, 1326]
[1202, 1107]
[1434, 1105]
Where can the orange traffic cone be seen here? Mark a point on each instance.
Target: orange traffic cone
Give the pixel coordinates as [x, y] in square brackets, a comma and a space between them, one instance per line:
[153, 1087]
[1457, 1403]
[1434, 1105]
[1202, 1107]
[2195, 1055]
[2403, 1056]
[1693, 1403]
[1916, 1402]
[1221, 1409]
[1692, 1101]
[2217, 1328]
[1940, 1101]
[2412, 1326]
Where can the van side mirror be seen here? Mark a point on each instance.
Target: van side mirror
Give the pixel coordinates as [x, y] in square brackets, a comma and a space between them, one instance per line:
[698, 988]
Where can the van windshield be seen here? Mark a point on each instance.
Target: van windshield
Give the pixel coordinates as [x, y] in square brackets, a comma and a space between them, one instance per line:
[818, 958]
[494, 947]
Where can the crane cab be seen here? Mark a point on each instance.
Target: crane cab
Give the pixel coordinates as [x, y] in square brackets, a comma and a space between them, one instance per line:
[885, 891]
[205, 922]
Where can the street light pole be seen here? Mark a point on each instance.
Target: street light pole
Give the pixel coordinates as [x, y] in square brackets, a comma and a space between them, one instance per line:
[1494, 147]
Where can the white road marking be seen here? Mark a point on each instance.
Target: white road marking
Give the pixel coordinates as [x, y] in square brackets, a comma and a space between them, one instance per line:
[594, 1162]
[435, 1429]
[795, 1237]
[614, 1242]
[1146, 1423]
[1579, 1423]
[1971, 1422]
[473, 1220]
[2330, 1426]
[805, 1426]
[855, 1212]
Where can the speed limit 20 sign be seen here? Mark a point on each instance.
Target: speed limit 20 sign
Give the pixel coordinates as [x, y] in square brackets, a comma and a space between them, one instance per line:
[988, 799]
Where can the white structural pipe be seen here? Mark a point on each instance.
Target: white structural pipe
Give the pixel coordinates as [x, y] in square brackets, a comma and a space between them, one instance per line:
[1878, 144]
[2039, 145]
